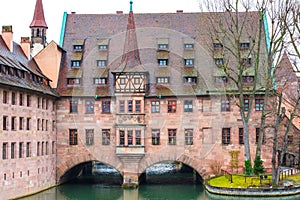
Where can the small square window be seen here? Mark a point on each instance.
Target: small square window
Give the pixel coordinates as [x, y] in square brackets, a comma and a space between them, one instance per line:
[190, 80]
[245, 46]
[219, 61]
[218, 46]
[75, 63]
[162, 46]
[100, 81]
[77, 47]
[101, 63]
[103, 47]
[73, 81]
[189, 62]
[221, 80]
[122, 81]
[189, 46]
[162, 62]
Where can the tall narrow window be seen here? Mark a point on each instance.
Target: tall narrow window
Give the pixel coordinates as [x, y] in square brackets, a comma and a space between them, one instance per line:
[155, 106]
[4, 123]
[122, 137]
[122, 106]
[13, 123]
[73, 137]
[129, 106]
[172, 106]
[38, 148]
[138, 137]
[257, 131]
[225, 104]
[246, 104]
[21, 149]
[28, 101]
[89, 107]
[106, 106]
[188, 136]
[53, 147]
[13, 150]
[106, 137]
[155, 137]
[5, 151]
[5, 97]
[43, 143]
[73, 106]
[137, 106]
[130, 137]
[21, 121]
[13, 98]
[21, 99]
[47, 148]
[241, 136]
[226, 136]
[28, 149]
[28, 124]
[89, 136]
[259, 104]
[172, 136]
[188, 105]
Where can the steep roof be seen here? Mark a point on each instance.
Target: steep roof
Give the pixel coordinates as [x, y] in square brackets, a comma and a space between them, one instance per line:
[18, 63]
[38, 17]
[175, 29]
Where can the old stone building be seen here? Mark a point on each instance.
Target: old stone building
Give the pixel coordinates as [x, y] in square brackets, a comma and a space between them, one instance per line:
[130, 90]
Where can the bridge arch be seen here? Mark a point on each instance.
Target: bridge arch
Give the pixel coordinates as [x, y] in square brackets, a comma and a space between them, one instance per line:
[192, 162]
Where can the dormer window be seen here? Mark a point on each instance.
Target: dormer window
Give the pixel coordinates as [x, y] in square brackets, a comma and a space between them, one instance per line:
[218, 46]
[73, 81]
[101, 63]
[190, 80]
[219, 61]
[163, 62]
[162, 80]
[246, 62]
[221, 80]
[100, 81]
[75, 63]
[248, 80]
[77, 47]
[103, 47]
[188, 46]
[244, 46]
[189, 62]
[162, 46]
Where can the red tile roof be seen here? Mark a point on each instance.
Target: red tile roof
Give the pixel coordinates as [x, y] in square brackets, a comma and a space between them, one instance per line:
[38, 17]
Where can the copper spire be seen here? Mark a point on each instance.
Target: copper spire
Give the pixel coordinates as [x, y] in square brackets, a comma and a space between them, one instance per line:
[38, 17]
[131, 55]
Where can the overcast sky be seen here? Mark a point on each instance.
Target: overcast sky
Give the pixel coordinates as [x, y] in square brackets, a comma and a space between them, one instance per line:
[19, 13]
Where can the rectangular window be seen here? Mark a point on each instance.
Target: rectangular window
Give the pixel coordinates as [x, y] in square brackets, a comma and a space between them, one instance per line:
[155, 137]
[13, 98]
[21, 149]
[259, 104]
[103, 47]
[241, 135]
[28, 101]
[38, 148]
[53, 147]
[122, 81]
[89, 136]
[137, 106]
[155, 106]
[73, 81]
[218, 46]
[75, 63]
[13, 123]
[38, 123]
[105, 106]
[188, 105]
[257, 131]
[101, 63]
[13, 150]
[290, 140]
[47, 148]
[138, 138]
[188, 136]
[219, 61]
[46, 125]
[122, 106]
[137, 81]
[244, 46]
[246, 104]
[225, 136]
[122, 137]
[188, 62]
[38, 102]
[99, 81]
[5, 151]
[130, 137]
[225, 105]
[172, 106]
[28, 149]
[4, 123]
[162, 80]
[189, 46]
[73, 106]
[77, 47]
[163, 62]
[221, 80]
[73, 137]
[106, 137]
[246, 62]
[5, 97]
[248, 80]
[42, 148]
[89, 106]
[172, 136]
[129, 106]
[163, 46]
[21, 121]
[21, 99]
[190, 80]
[28, 124]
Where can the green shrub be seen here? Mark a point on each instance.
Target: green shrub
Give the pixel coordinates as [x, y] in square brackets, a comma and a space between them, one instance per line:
[258, 167]
[248, 168]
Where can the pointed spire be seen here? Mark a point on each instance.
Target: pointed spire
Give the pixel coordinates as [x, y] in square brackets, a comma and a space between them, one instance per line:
[38, 17]
[131, 6]
[131, 55]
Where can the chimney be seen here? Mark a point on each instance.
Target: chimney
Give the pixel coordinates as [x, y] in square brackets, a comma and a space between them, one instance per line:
[25, 45]
[7, 35]
[119, 12]
[179, 11]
